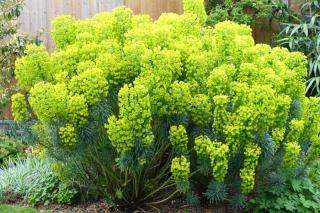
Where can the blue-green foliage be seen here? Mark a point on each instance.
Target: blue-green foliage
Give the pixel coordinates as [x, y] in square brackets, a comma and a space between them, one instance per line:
[297, 193]
[34, 180]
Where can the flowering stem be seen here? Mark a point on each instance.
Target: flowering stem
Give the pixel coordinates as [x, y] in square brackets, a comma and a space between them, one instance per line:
[164, 200]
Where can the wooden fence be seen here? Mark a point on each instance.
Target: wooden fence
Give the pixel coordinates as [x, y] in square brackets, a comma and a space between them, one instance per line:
[37, 15]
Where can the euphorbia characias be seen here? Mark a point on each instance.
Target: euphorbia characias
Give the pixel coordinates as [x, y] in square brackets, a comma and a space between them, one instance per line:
[209, 95]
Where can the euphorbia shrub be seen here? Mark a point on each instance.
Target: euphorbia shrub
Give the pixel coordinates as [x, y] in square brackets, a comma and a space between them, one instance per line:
[122, 97]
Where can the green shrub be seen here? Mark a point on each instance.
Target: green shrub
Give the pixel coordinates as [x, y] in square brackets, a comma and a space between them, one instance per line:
[34, 180]
[245, 12]
[121, 103]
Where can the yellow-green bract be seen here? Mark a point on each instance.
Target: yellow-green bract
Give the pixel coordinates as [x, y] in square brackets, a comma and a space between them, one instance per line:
[178, 138]
[19, 108]
[180, 168]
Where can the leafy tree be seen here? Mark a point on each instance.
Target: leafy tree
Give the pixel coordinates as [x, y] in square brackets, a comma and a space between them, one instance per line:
[246, 12]
[11, 47]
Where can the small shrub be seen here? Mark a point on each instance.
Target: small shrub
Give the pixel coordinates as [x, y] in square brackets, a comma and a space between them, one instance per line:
[245, 12]
[172, 97]
[289, 193]
[34, 180]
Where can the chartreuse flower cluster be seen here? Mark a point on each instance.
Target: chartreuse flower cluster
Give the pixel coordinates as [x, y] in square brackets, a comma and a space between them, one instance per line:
[178, 138]
[278, 136]
[310, 117]
[312, 126]
[315, 150]
[201, 109]
[19, 108]
[78, 110]
[296, 127]
[247, 173]
[202, 146]
[197, 7]
[36, 66]
[217, 153]
[220, 113]
[134, 121]
[219, 160]
[292, 147]
[292, 151]
[49, 101]
[68, 135]
[220, 97]
[63, 31]
[178, 98]
[180, 169]
[91, 84]
[221, 74]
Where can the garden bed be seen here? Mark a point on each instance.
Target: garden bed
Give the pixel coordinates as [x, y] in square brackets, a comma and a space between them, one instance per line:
[134, 115]
[173, 206]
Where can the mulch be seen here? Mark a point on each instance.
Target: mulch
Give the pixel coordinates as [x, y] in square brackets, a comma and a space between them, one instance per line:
[177, 205]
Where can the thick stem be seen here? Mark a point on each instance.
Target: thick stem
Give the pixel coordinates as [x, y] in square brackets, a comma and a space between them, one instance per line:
[164, 186]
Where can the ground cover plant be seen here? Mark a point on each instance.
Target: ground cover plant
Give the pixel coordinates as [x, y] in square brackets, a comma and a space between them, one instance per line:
[289, 193]
[34, 180]
[125, 106]
[16, 209]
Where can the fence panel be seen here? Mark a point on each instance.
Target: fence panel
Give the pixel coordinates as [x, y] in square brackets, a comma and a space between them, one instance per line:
[154, 8]
[37, 15]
